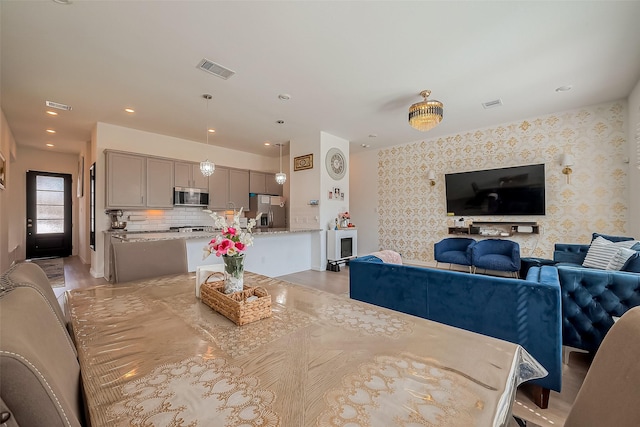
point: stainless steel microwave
(190, 197)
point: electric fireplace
(342, 244)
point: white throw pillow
(603, 251)
(620, 259)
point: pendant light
(207, 168)
(281, 177)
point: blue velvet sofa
(526, 312)
(592, 297)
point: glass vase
(233, 273)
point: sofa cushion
(603, 251)
(633, 264)
(620, 259)
(594, 236)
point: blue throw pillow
(611, 238)
(633, 264)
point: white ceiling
(352, 68)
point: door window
(49, 204)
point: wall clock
(336, 163)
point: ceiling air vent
(492, 104)
(215, 69)
(57, 105)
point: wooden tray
(235, 306)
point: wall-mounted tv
(516, 190)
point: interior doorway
(49, 215)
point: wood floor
(575, 367)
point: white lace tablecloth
(152, 354)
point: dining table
(153, 354)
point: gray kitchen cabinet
(159, 183)
(126, 180)
(264, 183)
(239, 188)
(219, 189)
(272, 187)
(188, 175)
(229, 188)
(257, 182)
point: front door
(48, 214)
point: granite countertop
(164, 235)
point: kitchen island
(275, 251)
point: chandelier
(427, 114)
(281, 178)
(207, 168)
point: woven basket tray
(235, 306)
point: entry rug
(54, 269)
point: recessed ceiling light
(51, 131)
(365, 145)
(129, 110)
(284, 96)
(566, 88)
(50, 145)
(52, 113)
(211, 130)
(373, 135)
(267, 143)
(63, 1)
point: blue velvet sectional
(527, 312)
(591, 297)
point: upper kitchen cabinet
(272, 186)
(264, 183)
(135, 181)
(219, 189)
(257, 182)
(229, 188)
(188, 175)
(159, 183)
(126, 180)
(239, 188)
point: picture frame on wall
(303, 162)
(3, 172)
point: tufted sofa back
(590, 298)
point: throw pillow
(602, 251)
(594, 236)
(620, 259)
(633, 264)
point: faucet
(233, 206)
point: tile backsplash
(155, 220)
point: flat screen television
(516, 190)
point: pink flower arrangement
(229, 244)
(344, 215)
(231, 241)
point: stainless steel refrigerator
(272, 209)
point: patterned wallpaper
(412, 213)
